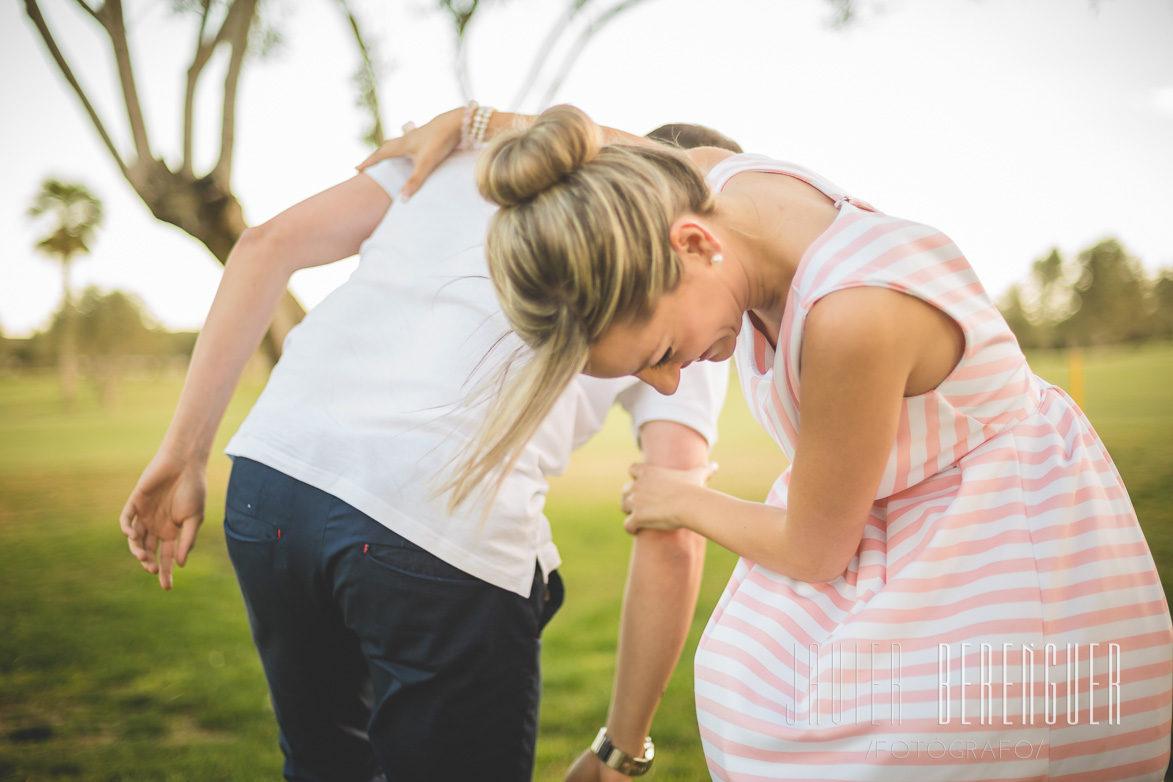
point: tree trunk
(106, 372)
(67, 349)
(209, 212)
(67, 357)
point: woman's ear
(693, 241)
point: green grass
(105, 677)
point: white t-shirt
(369, 399)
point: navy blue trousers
(380, 657)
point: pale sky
(1013, 125)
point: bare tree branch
(843, 14)
(543, 54)
(203, 53)
(367, 78)
(463, 78)
(580, 44)
(34, 13)
(237, 26)
(460, 16)
(460, 19)
(110, 15)
(86, 7)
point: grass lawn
(105, 677)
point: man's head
(687, 136)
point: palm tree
(76, 212)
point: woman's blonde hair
(580, 243)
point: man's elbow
(253, 240)
(262, 246)
(679, 548)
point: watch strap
(615, 758)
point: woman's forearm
(761, 533)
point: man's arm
(166, 507)
(663, 581)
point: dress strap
(731, 166)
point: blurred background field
(105, 677)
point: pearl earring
(717, 258)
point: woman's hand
(426, 147)
(164, 513)
(658, 497)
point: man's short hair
(686, 136)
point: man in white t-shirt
(394, 635)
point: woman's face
(698, 321)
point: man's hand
(164, 513)
(588, 768)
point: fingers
(187, 537)
(424, 166)
(166, 560)
(373, 158)
(390, 148)
(631, 525)
(136, 541)
(135, 532)
(126, 519)
(625, 501)
(627, 505)
(700, 474)
(136, 550)
(150, 546)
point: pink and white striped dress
(1002, 618)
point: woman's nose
(664, 379)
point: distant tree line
(1101, 297)
(113, 337)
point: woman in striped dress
(949, 582)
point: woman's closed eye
(663, 360)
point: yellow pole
(1075, 375)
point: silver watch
(615, 758)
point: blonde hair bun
(524, 163)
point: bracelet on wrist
(615, 758)
(474, 125)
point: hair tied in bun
(522, 164)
